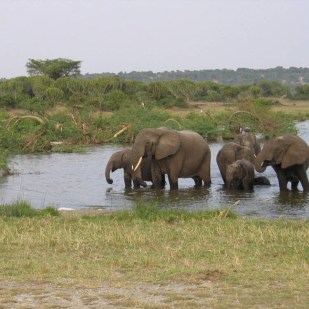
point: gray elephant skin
(231, 152)
(288, 155)
(240, 175)
(179, 154)
(121, 159)
(248, 139)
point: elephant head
(119, 159)
(249, 140)
(286, 150)
(230, 153)
(158, 143)
(240, 175)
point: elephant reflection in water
(288, 155)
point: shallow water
(77, 181)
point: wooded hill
(292, 76)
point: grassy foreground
(246, 263)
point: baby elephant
(240, 175)
(121, 159)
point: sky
(154, 35)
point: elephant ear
(296, 153)
(125, 160)
(168, 144)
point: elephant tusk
(262, 163)
(138, 164)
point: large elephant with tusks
(179, 154)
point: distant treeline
(292, 76)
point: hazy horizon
(158, 36)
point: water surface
(77, 181)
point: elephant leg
(294, 184)
(198, 181)
(128, 181)
(282, 178)
(163, 181)
(173, 182)
(156, 183)
(136, 185)
(247, 185)
(302, 176)
(205, 172)
(158, 178)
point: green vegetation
(243, 263)
(53, 68)
(51, 107)
(23, 209)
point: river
(76, 181)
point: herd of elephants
(157, 152)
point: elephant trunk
(229, 183)
(259, 164)
(108, 169)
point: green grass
(250, 263)
(24, 209)
(153, 212)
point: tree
(54, 68)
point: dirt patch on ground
(136, 295)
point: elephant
(240, 175)
(288, 155)
(121, 159)
(179, 154)
(230, 153)
(248, 139)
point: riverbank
(150, 259)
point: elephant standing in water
(179, 154)
(288, 155)
(121, 159)
(240, 175)
(230, 153)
